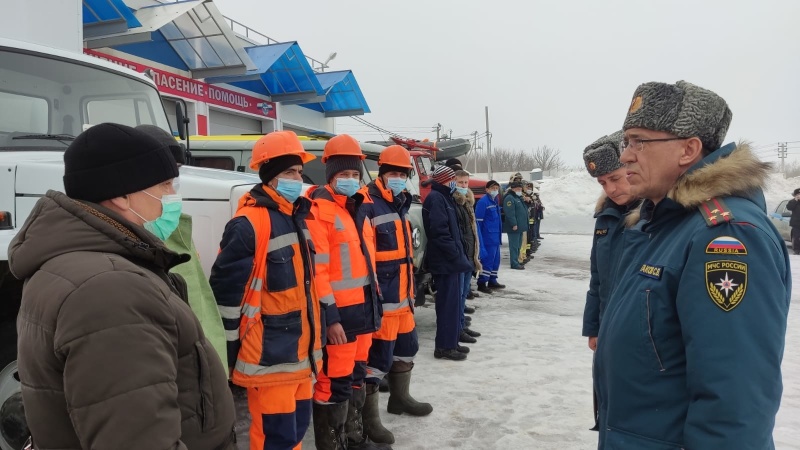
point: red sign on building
(179, 86)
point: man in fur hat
(690, 347)
(602, 162)
(465, 212)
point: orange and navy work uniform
(263, 283)
(345, 282)
(397, 340)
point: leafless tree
(507, 160)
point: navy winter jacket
(690, 346)
(606, 249)
(444, 253)
(490, 224)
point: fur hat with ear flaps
(602, 156)
(682, 109)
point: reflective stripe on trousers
(255, 369)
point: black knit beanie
(491, 183)
(275, 166)
(454, 163)
(384, 168)
(338, 163)
(110, 160)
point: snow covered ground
(527, 382)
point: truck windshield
(45, 102)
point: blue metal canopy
(102, 17)
(343, 97)
(189, 35)
(283, 73)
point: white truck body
(49, 94)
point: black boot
(462, 348)
(329, 426)
(469, 310)
(471, 333)
(496, 286)
(354, 428)
(467, 339)
(373, 428)
(450, 353)
(400, 401)
(483, 288)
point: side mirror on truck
(183, 130)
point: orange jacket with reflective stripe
(279, 326)
(345, 267)
(394, 259)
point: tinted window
(214, 162)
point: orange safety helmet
(395, 155)
(342, 145)
(275, 144)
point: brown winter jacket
(110, 356)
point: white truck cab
(47, 97)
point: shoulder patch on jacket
(601, 231)
(726, 283)
(508, 203)
(715, 212)
(726, 245)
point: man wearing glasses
(690, 346)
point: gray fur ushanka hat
(682, 109)
(602, 156)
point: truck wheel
(13, 427)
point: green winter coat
(201, 298)
(516, 213)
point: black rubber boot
(329, 423)
(354, 428)
(373, 427)
(400, 401)
(384, 386)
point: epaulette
(715, 212)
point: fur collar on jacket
(468, 202)
(738, 174)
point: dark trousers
(796, 240)
(514, 244)
(448, 309)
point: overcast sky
(559, 73)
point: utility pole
(438, 129)
(475, 151)
(488, 145)
(782, 156)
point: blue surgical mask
(167, 222)
(519, 194)
(396, 184)
(347, 186)
(493, 194)
(452, 186)
(461, 190)
(289, 189)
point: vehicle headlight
(415, 240)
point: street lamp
(330, 58)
